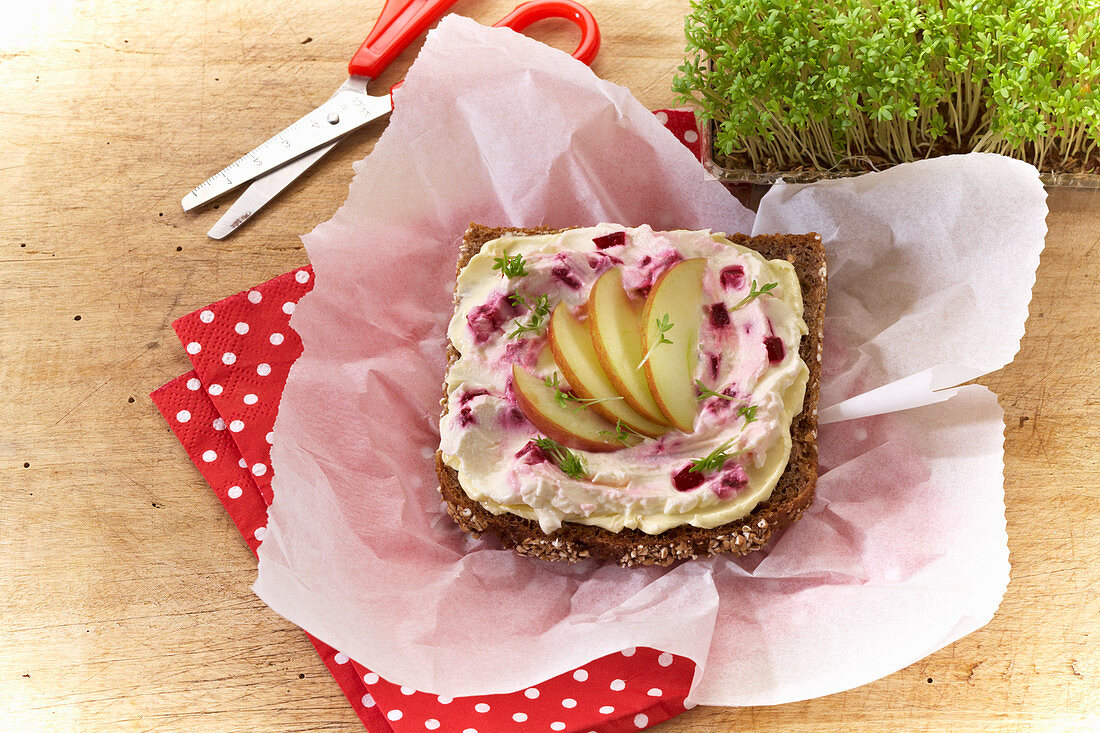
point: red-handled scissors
(278, 161)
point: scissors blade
(263, 189)
(348, 109)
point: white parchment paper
(904, 549)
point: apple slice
(576, 357)
(573, 428)
(676, 299)
(617, 339)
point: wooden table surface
(124, 587)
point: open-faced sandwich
(628, 394)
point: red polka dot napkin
(223, 414)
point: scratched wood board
(124, 587)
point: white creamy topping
(484, 429)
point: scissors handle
(400, 22)
(531, 12)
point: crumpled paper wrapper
(904, 550)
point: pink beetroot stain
(714, 360)
(614, 239)
(466, 417)
(564, 272)
(600, 261)
(774, 345)
(486, 319)
(531, 454)
(732, 277)
(731, 481)
(513, 417)
(651, 268)
(518, 352)
(718, 405)
(470, 394)
(686, 479)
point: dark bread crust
(791, 496)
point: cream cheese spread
(748, 353)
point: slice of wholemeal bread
(790, 497)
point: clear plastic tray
(742, 175)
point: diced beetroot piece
(686, 479)
(732, 277)
(466, 417)
(470, 394)
(488, 318)
(719, 316)
(614, 239)
(644, 262)
(774, 345)
(532, 454)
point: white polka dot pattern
(584, 704)
(242, 348)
